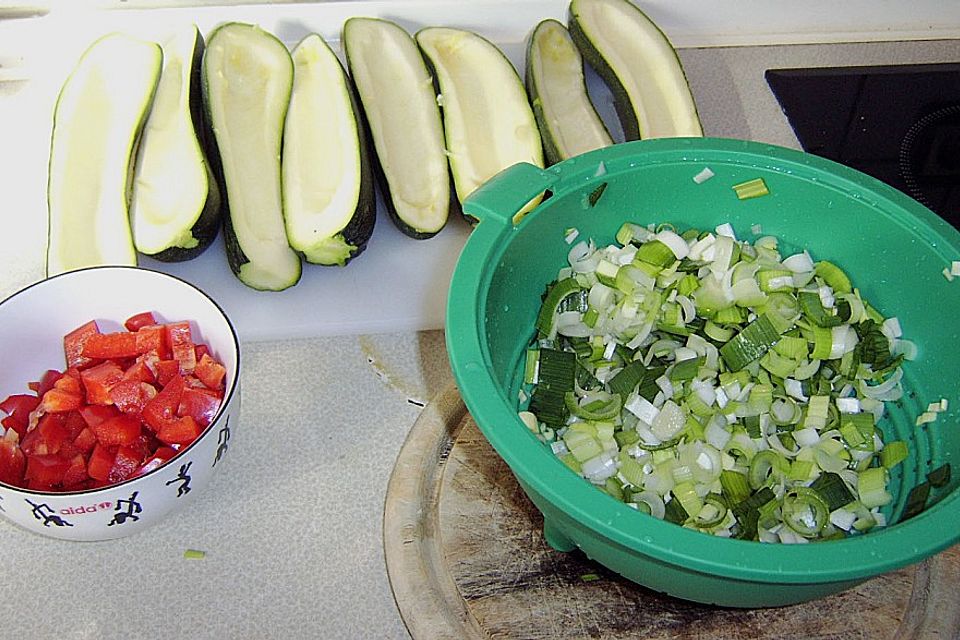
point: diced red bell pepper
(53, 431)
(200, 349)
(151, 338)
(210, 372)
(180, 341)
(66, 395)
(74, 423)
(73, 344)
(99, 379)
(85, 440)
(131, 396)
(156, 460)
(45, 471)
(101, 462)
(167, 370)
(181, 431)
(200, 404)
(123, 429)
(76, 472)
(138, 320)
(46, 382)
(163, 408)
(119, 344)
(139, 371)
(94, 414)
(32, 443)
(12, 462)
(9, 423)
(125, 464)
(19, 406)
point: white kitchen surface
(335, 372)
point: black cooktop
(898, 123)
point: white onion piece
(676, 244)
(799, 262)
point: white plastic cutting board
(398, 284)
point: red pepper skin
(138, 320)
(182, 431)
(73, 344)
(163, 408)
(125, 464)
(99, 379)
(210, 372)
(101, 462)
(200, 404)
(104, 346)
(159, 457)
(121, 430)
(13, 463)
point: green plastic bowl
(894, 250)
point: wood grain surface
(466, 559)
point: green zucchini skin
(235, 254)
(208, 223)
(553, 153)
(360, 228)
(625, 108)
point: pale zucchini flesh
(633, 55)
(247, 79)
(175, 205)
(325, 181)
(568, 121)
(97, 120)
(400, 104)
(487, 118)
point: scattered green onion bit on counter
(751, 189)
(720, 385)
(194, 554)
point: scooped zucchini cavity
(569, 123)
(398, 98)
(641, 67)
(97, 120)
(247, 80)
(175, 206)
(487, 118)
(329, 203)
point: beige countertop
(292, 525)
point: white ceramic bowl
(33, 322)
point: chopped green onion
(751, 343)
(833, 276)
(893, 453)
(751, 189)
(709, 382)
(194, 554)
(872, 487)
(547, 318)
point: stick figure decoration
(47, 515)
(126, 510)
(222, 441)
(183, 478)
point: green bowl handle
(501, 197)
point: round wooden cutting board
(466, 560)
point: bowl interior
(893, 249)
